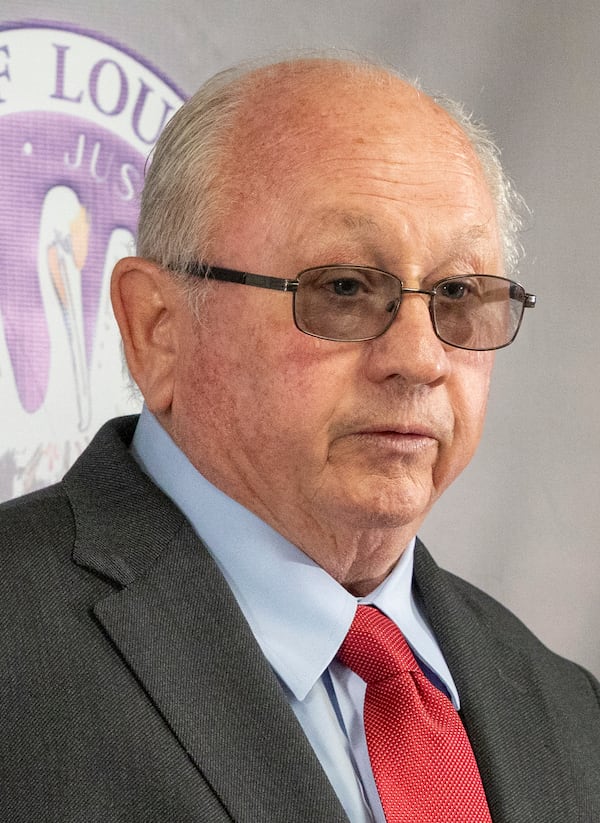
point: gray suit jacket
(132, 690)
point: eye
(346, 287)
(455, 289)
(346, 284)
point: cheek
(302, 387)
(294, 387)
(306, 363)
(270, 384)
(467, 392)
(468, 389)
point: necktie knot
(374, 648)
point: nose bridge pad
(432, 315)
(414, 351)
(425, 296)
(391, 308)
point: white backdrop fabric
(523, 520)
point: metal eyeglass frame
(262, 281)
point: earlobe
(144, 300)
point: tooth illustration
(65, 223)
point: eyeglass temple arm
(243, 277)
(529, 300)
(261, 281)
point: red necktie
(421, 757)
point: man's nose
(410, 349)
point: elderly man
(223, 613)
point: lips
(394, 439)
(405, 430)
(419, 426)
(397, 442)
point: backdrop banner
(79, 115)
(80, 110)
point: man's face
(339, 444)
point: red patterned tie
(421, 757)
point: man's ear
(146, 303)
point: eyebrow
(358, 222)
(475, 234)
(366, 228)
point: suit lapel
(179, 629)
(507, 712)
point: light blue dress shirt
(299, 616)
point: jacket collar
(176, 624)
(506, 705)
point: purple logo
(78, 117)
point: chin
(381, 511)
(386, 519)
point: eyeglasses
(479, 312)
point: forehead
(306, 140)
(310, 111)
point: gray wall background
(523, 521)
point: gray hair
(510, 206)
(183, 195)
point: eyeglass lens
(476, 312)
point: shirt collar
(298, 613)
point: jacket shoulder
(43, 517)
(452, 603)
